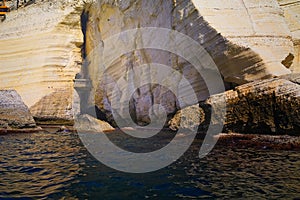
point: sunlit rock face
(41, 53)
(111, 17)
(86, 123)
(188, 118)
(291, 10)
(257, 37)
(41, 50)
(247, 41)
(55, 108)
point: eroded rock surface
(246, 40)
(188, 118)
(14, 114)
(269, 106)
(41, 52)
(55, 108)
(258, 26)
(87, 123)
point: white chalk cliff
(41, 53)
(41, 45)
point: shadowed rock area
(14, 114)
(269, 106)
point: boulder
(55, 108)
(86, 123)
(188, 118)
(14, 114)
(269, 106)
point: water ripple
(57, 166)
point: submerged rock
(14, 114)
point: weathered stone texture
(86, 123)
(188, 118)
(41, 51)
(13, 112)
(291, 10)
(55, 108)
(247, 40)
(267, 106)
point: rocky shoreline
(14, 114)
(270, 106)
(260, 141)
(263, 91)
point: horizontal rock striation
(14, 114)
(42, 47)
(41, 52)
(269, 106)
(247, 39)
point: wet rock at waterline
(86, 123)
(246, 40)
(188, 118)
(14, 114)
(269, 106)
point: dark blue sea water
(57, 166)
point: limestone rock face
(291, 10)
(267, 106)
(13, 112)
(55, 108)
(107, 18)
(41, 52)
(188, 118)
(247, 41)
